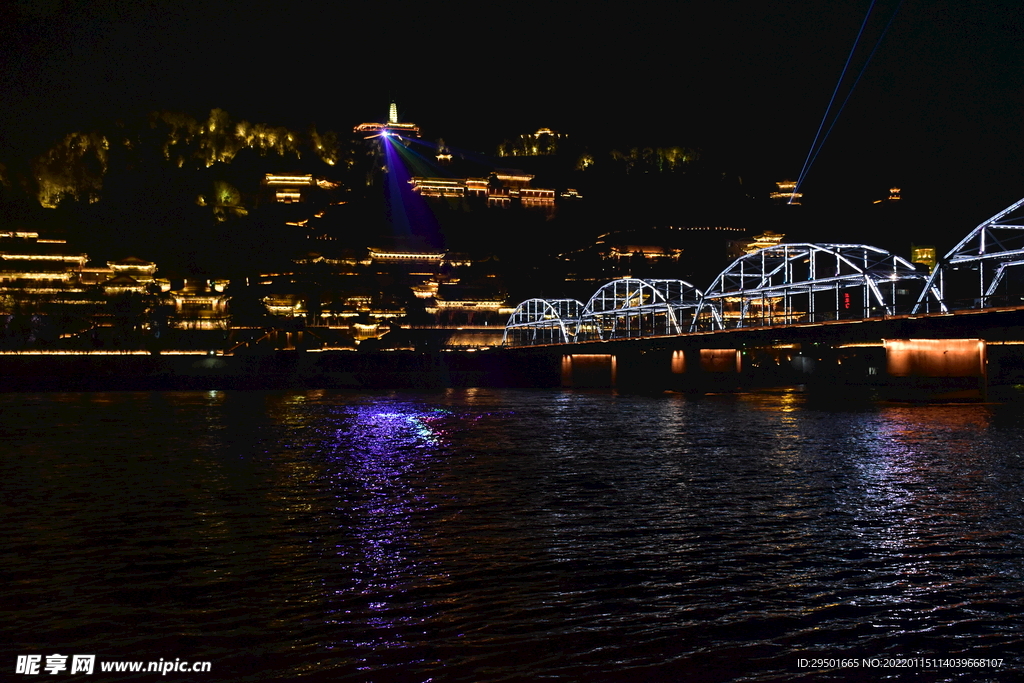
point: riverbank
(136, 371)
(494, 368)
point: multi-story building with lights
(31, 264)
(501, 189)
(47, 278)
(786, 193)
(288, 188)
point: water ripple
(484, 535)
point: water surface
(510, 535)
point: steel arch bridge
(543, 321)
(982, 270)
(631, 308)
(808, 283)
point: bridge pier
(784, 364)
(589, 370)
(936, 369)
(715, 369)
(1005, 364)
(655, 369)
(650, 370)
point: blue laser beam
(839, 83)
(855, 82)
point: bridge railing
(733, 321)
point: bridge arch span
(983, 270)
(630, 308)
(788, 284)
(543, 321)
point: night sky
(937, 111)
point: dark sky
(938, 110)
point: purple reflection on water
(382, 453)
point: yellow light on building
(404, 256)
(763, 241)
(786, 193)
(926, 255)
(277, 179)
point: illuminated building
(542, 143)
(402, 285)
(763, 241)
(66, 297)
(925, 255)
(43, 275)
(289, 189)
(516, 180)
(470, 304)
(391, 127)
(92, 274)
(129, 274)
(200, 305)
(396, 256)
(506, 185)
(500, 189)
(442, 187)
(664, 243)
(288, 305)
(624, 251)
(141, 270)
(786, 193)
(123, 284)
(444, 155)
(894, 196)
(29, 263)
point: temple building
(391, 127)
(200, 304)
(288, 189)
(477, 303)
(894, 196)
(786, 193)
(131, 274)
(763, 241)
(544, 142)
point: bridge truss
(630, 308)
(543, 321)
(807, 283)
(982, 271)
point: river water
(512, 535)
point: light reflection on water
(509, 535)
(378, 446)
